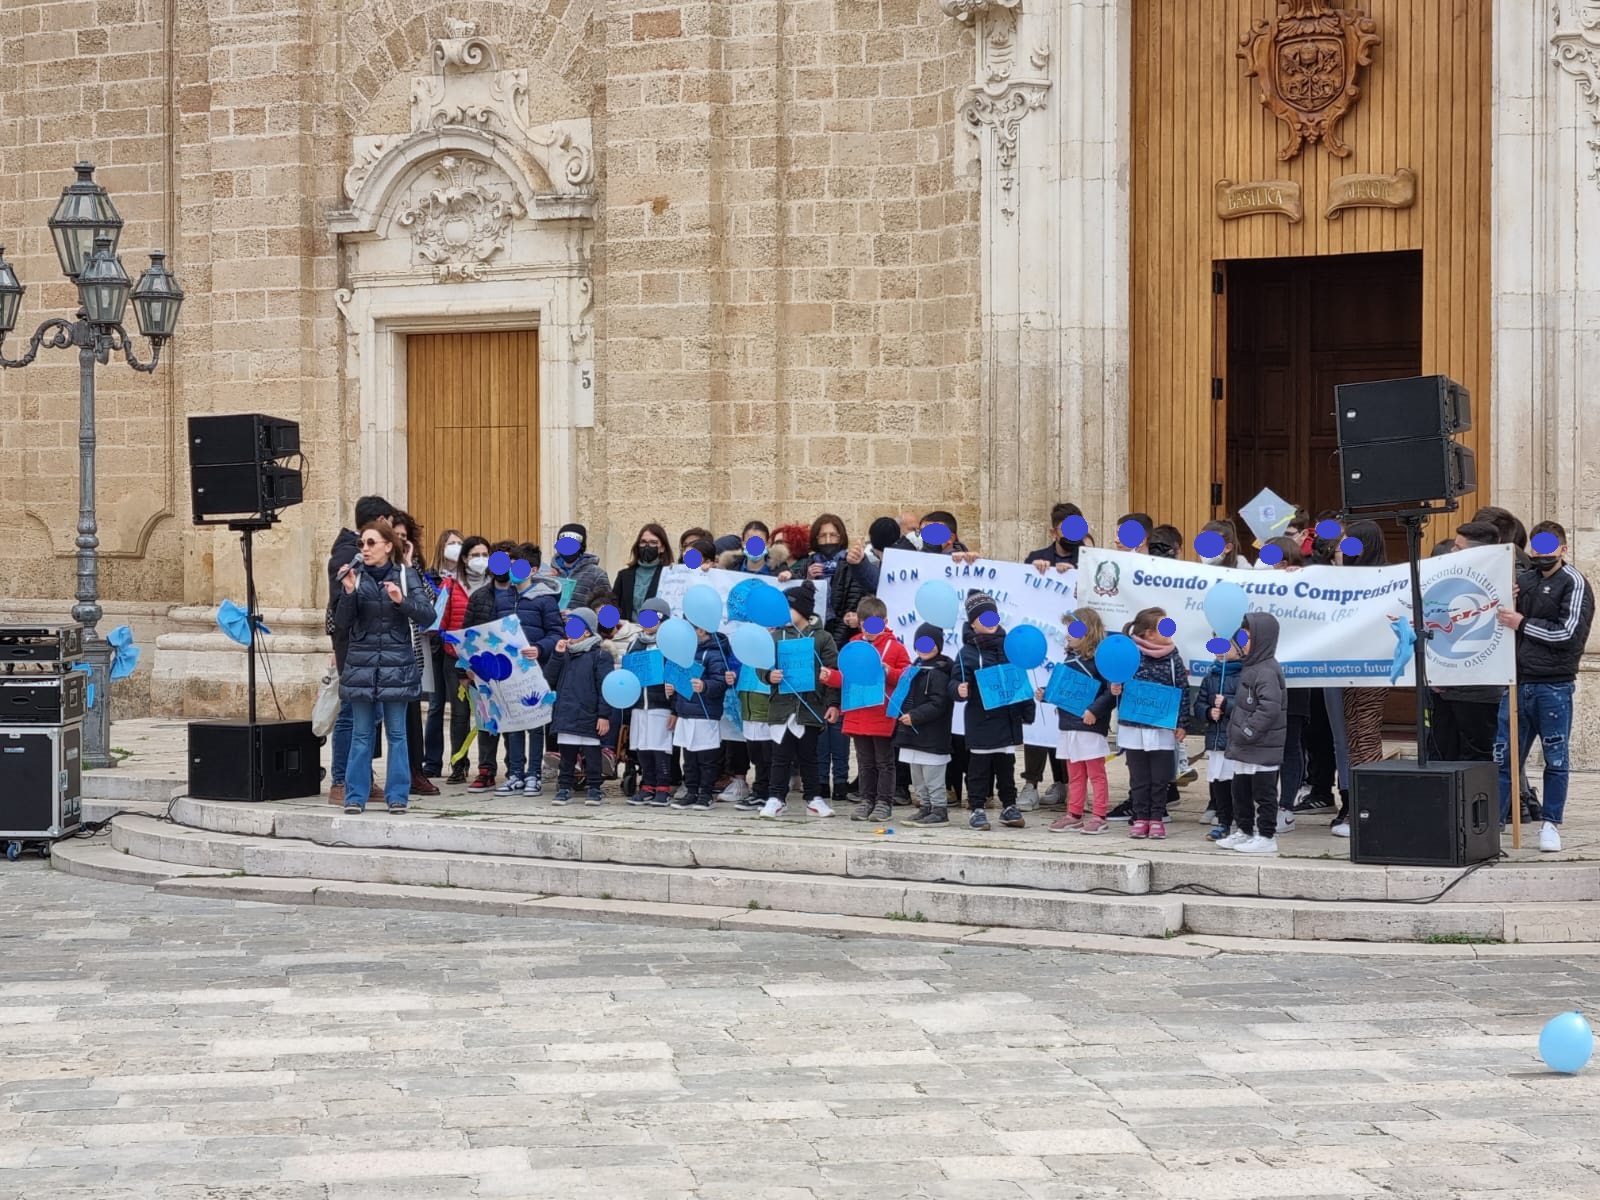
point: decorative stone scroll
(1578, 54)
(1307, 59)
(1372, 191)
(1235, 200)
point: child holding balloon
(697, 718)
(871, 728)
(993, 734)
(650, 735)
(1083, 746)
(1149, 749)
(577, 672)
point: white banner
(1335, 629)
(507, 691)
(678, 579)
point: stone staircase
(850, 884)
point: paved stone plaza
(169, 1047)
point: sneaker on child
(819, 807)
(1028, 798)
(1258, 845)
(511, 787)
(774, 808)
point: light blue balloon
(1566, 1042)
(621, 689)
(1026, 647)
(677, 640)
(1117, 659)
(859, 663)
(1225, 606)
(753, 646)
(940, 604)
(767, 606)
(702, 605)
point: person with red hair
(796, 543)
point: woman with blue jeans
(382, 607)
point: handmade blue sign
(1071, 690)
(1153, 704)
(856, 695)
(797, 660)
(902, 690)
(647, 665)
(681, 678)
(748, 682)
(1003, 684)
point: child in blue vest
(696, 720)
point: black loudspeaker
(224, 441)
(1440, 815)
(42, 766)
(270, 760)
(1397, 410)
(1405, 474)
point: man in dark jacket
(346, 550)
(1554, 610)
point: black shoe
(853, 788)
(1314, 804)
(1122, 812)
(932, 816)
(702, 802)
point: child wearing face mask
(446, 557)
(467, 574)
(1230, 544)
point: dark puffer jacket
(1258, 727)
(845, 589)
(585, 568)
(716, 660)
(809, 707)
(577, 678)
(1169, 671)
(534, 605)
(380, 662)
(1100, 706)
(929, 706)
(1222, 680)
(988, 728)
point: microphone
(353, 565)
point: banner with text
(677, 580)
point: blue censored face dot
(754, 546)
(1210, 544)
(1217, 645)
(576, 628)
(1545, 543)
(521, 569)
(1167, 626)
(873, 625)
(1327, 529)
(1075, 529)
(937, 533)
(1130, 534)
(925, 645)
(1350, 547)
(692, 559)
(499, 563)
(1272, 555)
(1077, 629)
(609, 616)
(568, 545)
(1243, 638)
(989, 620)
(649, 618)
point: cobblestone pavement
(177, 1048)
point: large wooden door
(472, 416)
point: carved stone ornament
(965, 10)
(1578, 54)
(1011, 83)
(460, 226)
(1307, 59)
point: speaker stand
(247, 531)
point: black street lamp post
(86, 228)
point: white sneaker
(1028, 798)
(1285, 821)
(736, 791)
(773, 808)
(1209, 817)
(1549, 838)
(1342, 829)
(1055, 796)
(818, 807)
(511, 787)
(1234, 840)
(1258, 845)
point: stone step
(987, 906)
(99, 859)
(116, 786)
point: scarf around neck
(1151, 650)
(587, 642)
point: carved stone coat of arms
(1307, 59)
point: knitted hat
(883, 533)
(729, 541)
(929, 630)
(979, 603)
(803, 599)
(657, 605)
(577, 531)
(586, 615)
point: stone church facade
(756, 258)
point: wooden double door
(472, 422)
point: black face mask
(501, 580)
(828, 549)
(647, 554)
(1324, 548)
(1544, 562)
(1162, 550)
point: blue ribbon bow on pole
(235, 622)
(1407, 640)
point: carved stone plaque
(1307, 59)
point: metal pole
(251, 617)
(87, 612)
(1419, 626)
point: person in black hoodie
(576, 672)
(346, 551)
(1258, 725)
(922, 734)
(1553, 614)
(993, 734)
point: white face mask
(1213, 560)
(477, 566)
(452, 552)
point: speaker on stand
(238, 478)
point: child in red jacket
(872, 729)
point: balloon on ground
(1566, 1042)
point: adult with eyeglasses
(639, 580)
(380, 610)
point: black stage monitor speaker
(243, 490)
(224, 441)
(1405, 474)
(1440, 815)
(270, 760)
(1397, 410)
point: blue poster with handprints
(509, 693)
(1004, 684)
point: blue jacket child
(1221, 680)
(715, 659)
(1100, 706)
(576, 674)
